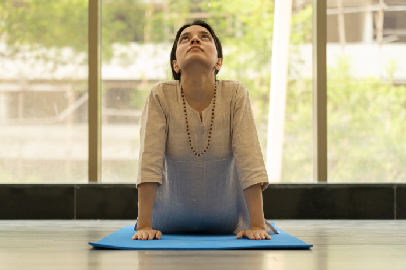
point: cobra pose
(201, 168)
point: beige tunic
(200, 194)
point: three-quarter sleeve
(152, 139)
(245, 144)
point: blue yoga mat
(121, 239)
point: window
(366, 91)
(43, 92)
(44, 84)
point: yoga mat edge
(121, 240)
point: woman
(201, 168)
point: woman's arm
(253, 198)
(146, 199)
(151, 161)
(250, 163)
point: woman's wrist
(143, 227)
(143, 223)
(258, 227)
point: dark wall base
(281, 201)
(331, 201)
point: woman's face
(203, 57)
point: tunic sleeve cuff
(264, 185)
(159, 183)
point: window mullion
(94, 107)
(319, 91)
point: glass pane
(366, 91)
(43, 91)
(137, 41)
(297, 166)
(133, 60)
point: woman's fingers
(253, 235)
(144, 235)
(141, 235)
(147, 235)
(137, 236)
(249, 234)
(260, 236)
(151, 235)
(240, 234)
(267, 236)
(158, 235)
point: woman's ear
(219, 63)
(175, 66)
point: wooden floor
(338, 244)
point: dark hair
(176, 76)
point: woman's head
(198, 33)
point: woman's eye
(182, 39)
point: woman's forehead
(193, 29)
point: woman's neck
(198, 88)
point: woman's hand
(147, 233)
(254, 234)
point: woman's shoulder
(165, 84)
(234, 88)
(164, 88)
(230, 82)
(233, 84)
(168, 83)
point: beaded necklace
(211, 124)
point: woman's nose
(194, 39)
